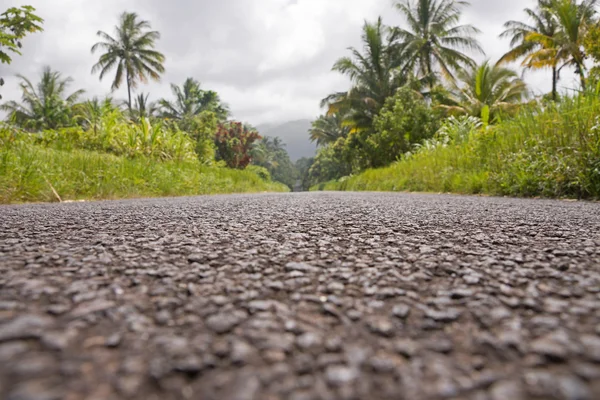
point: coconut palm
(131, 52)
(374, 74)
(543, 24)
(573, 20)
(328, 128)
(45, 105)
(486, 91)
(191, 100)
(142, 108)
(435, 40)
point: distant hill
(295, 136)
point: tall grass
(34, 173)
(551, 150)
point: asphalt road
(301, 296)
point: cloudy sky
(270, 60)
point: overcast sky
(270, 60)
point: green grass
(28, 173)
(550, 152)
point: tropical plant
(15, 24)
(142, 108)
(573, 20)
(405, 120)
(90, 113)
(271, 154)
(328, 128)
(522, 47)
(234, 143)
(191, 100)
(131, 52)
(486, 91)
(374, 76)
(44, 105)
(434, 40)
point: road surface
(301, 296)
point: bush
(552, 150)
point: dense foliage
(416, 97)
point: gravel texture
(301, 296)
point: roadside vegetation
(57, 145)
(422, 115)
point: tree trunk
(554, 83)
(582, 77)
(129, 91)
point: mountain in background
(295, 136)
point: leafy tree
(302, 170)
(331, 162)
(15, 24)
(405, 121)
(44, 105)
(191, 100)
(573, 20)
(544, 25)
(487, 91)
(131, 52)
(234, 143)
(373, 74)
(271, 154)
(328, 128)
(435, 38)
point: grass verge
(31, 173)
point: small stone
(190, 365)
(381, 326)
(113, 340)
(57, 340)
(591, 346)
(505, 390)
(12, 349)
(334, 287)
(440, 345)
(471, 279)
(220, 347)
(354, 315)
(223, 323)
(333, 343)
(461, 293)
(196, 258)
(299, 266)
(57, 309)
(241, 352)
(245, 386)
(309, 340)
(448, 315)
(274, 356)
(24, 327)
(406, 347)
(162, 317)
(549, 348)
(401, 311)
(92, 307)
(338, 375)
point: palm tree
(374, 74)
(191, 100)
(486, 91)
(131, 52)
(435, 39)
(90, 113)
(44, 105)
(328, 128)
(522, 46)
(573, 19)
(142, 108)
